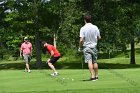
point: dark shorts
(53, 60)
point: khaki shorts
(90, 54)
(27, 58)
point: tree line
(59, 21)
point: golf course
(69, 46)
(116, 75)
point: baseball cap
(25, 38)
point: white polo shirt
(90, 33)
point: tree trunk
(131, 28)
(38, 52)
(1, 51)
(1, 55)
(132, 59)
(54, 40)
(37, 39)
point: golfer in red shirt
(54, 56)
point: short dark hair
(87, 18)
(43, 48)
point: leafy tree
(59, 21)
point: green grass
(116, 75)
(39, 81)
(75, 63)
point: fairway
(70, 46)
(70, 81)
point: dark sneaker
(93, 79)
(96, 78)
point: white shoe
(55, 74)
(29, 71)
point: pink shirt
(26, 48)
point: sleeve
(82, 33)
(98, 32)
(49, 49)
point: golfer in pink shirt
(26, 53)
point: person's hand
(79, 49)
(20, 56)
(30, 54)
(48, 60)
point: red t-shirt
(52, 48)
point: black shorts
(54, 59)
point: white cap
(25, 38)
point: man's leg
(90, 66)
(51, 63)
(88, 59)
(27, 63)
(95, 66)
(27, 67)
(52, 66)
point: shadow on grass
(137, 50)
(117, 53)
(63, 65)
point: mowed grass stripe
(72, 80)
